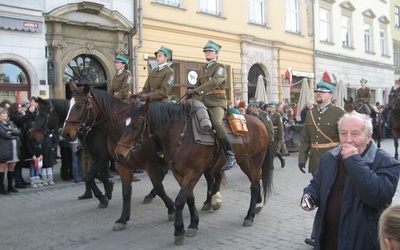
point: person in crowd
(232, 110)
(285, 123)
(35, 150)
(266, 119)
(389, 228)
(49, 147)
(21, 114)
(363, 97)
(9, 151)
(354, 182)
(242, 107)
(76, 172)
(303, 113)
(278, 131)
(320, 133)
(66, 159)
(210, 89)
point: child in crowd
(35, 150)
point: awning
(13, 23)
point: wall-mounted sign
(192, 77)
(51, 72)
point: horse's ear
(72, 84)
(86, 89)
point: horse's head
(394, 99)
(46, 119)
(135, 129)
(81, 113)
(349, 105)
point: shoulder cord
(318, 129)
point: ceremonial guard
(122, 82)
(278, 131)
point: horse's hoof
(119, 226)
(103, 203)
(217, 206)
(206, 207)
(179, 240)
(147, 200)
(258, 209)
(248, 223)
(171, 217)
(191, 232)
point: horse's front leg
(126, 178)
(255, 194)
(194, 217)
(178, 224)
(96, 191)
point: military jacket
(211, 85)
(278, 126)
(121, 85)
(327, 120)
(363, 94)
(264, 117)
(159, 84)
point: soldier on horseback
(210, 89)
(363, 98)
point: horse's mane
(61, 106)
(161, 114)
(109, 105)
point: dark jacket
(49, 147)
(8, 133)
(369, 187)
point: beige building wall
(395, 34)
(185, 30)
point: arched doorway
(252, 77)
(85, 69)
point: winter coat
(8, 133)
(22, 121)
(49, 147)
(369, 187)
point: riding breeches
(216, 116)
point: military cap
(325, 87)
(254, 103)
(212, 46)
(273, 104)
(364, 80)
(164, 50)
(122, 59)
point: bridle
(139, 139)
(48, 115)
(84, 128)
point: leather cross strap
(318, 129)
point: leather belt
(217, 92)
(276, 127)
(324, 145)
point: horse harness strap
(322, 145)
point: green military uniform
(313, 144)
(278, 130)
(122, 81)
(265, 118)
(364, 94)
(211, 89)
(159, 83)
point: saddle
(201, 133)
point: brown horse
(170, 125)
(350, 105)
(51, 116)
(94, 108)
(394, 117)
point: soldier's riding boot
(230, 156)
(10, 179)
(283, 162)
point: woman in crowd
(9, 151)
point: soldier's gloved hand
(144, 97)
(302, 167)
(190, 92)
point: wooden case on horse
(238, 124)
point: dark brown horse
(51, 116)
(93, 108)
(394, 117)
(170, 125)
(350, 105)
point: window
(174, 3)
(210, 7)
(382, 41)
(346, 29)
(292, 16)
(396, 55)
(397, 16)
(324, 24)
(367, 38)
(14, 82)
(257, 12)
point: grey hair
(365, 118)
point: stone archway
(252, 78)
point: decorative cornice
(348, 6)
(369, 13)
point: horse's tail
(267, 172)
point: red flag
(328, 76)
(18, 98)
(289, 75)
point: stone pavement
(53, 217)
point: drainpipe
(137, 46)
(132, 33)
(313, 21)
